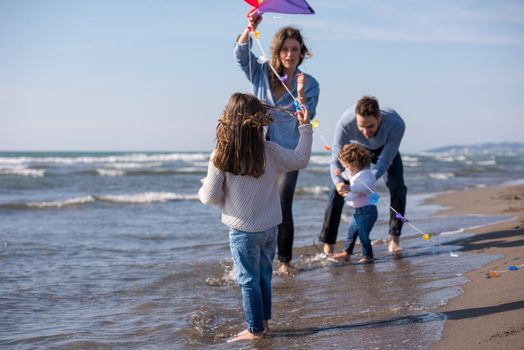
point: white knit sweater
(251, 204)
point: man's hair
(354, 153)
(240, 136)
(367, 106)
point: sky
(128, 75)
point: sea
(113, 250)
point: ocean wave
(147, 197)
(409, 158)
(142, 172)
(22, 171)
(62, 203)
(125, 158)
(450, 158)
(110, 172)
(138, 198)
(312, 190)
(487, 162)
(320, 159)
(411, 161)
(441, 176)
(127, 166)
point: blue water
(113, 250)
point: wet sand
(490, 312)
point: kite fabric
(293, 7)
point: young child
(356, 159)
(242, 179)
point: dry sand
(490, 312)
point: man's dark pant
(397, 192)
(286, 230)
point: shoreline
(489, 314)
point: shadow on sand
(420, 318)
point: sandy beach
(490, 312)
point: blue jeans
(363, 220)
(253, 254)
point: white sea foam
(320, 159)
(191, 169)
(406, 158)
(313, 190)
(412, 164)
(22, 171)
(449, 158)
(127, 166)
(147, 197)
(487, 162)
(110, 172)
(126, 158)
(62, 203)
(441, 176)
(410, 161)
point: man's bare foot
(329, 248)
(266, 327)
(247, 335)
(344, 256)
(366, 261)
(394, 247)
(286, 270)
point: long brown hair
(276, 46)
(240, 136)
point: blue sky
(155, 75)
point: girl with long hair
(242, 179)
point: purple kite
(294, 7)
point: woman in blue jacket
(287, 53)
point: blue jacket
(284, 129)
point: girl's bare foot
(344, 256)
(247, 335)
(328, 248)
(366, 261)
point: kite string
(249, 62)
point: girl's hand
(303, 116)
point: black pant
(397, 192)
(286, 230)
